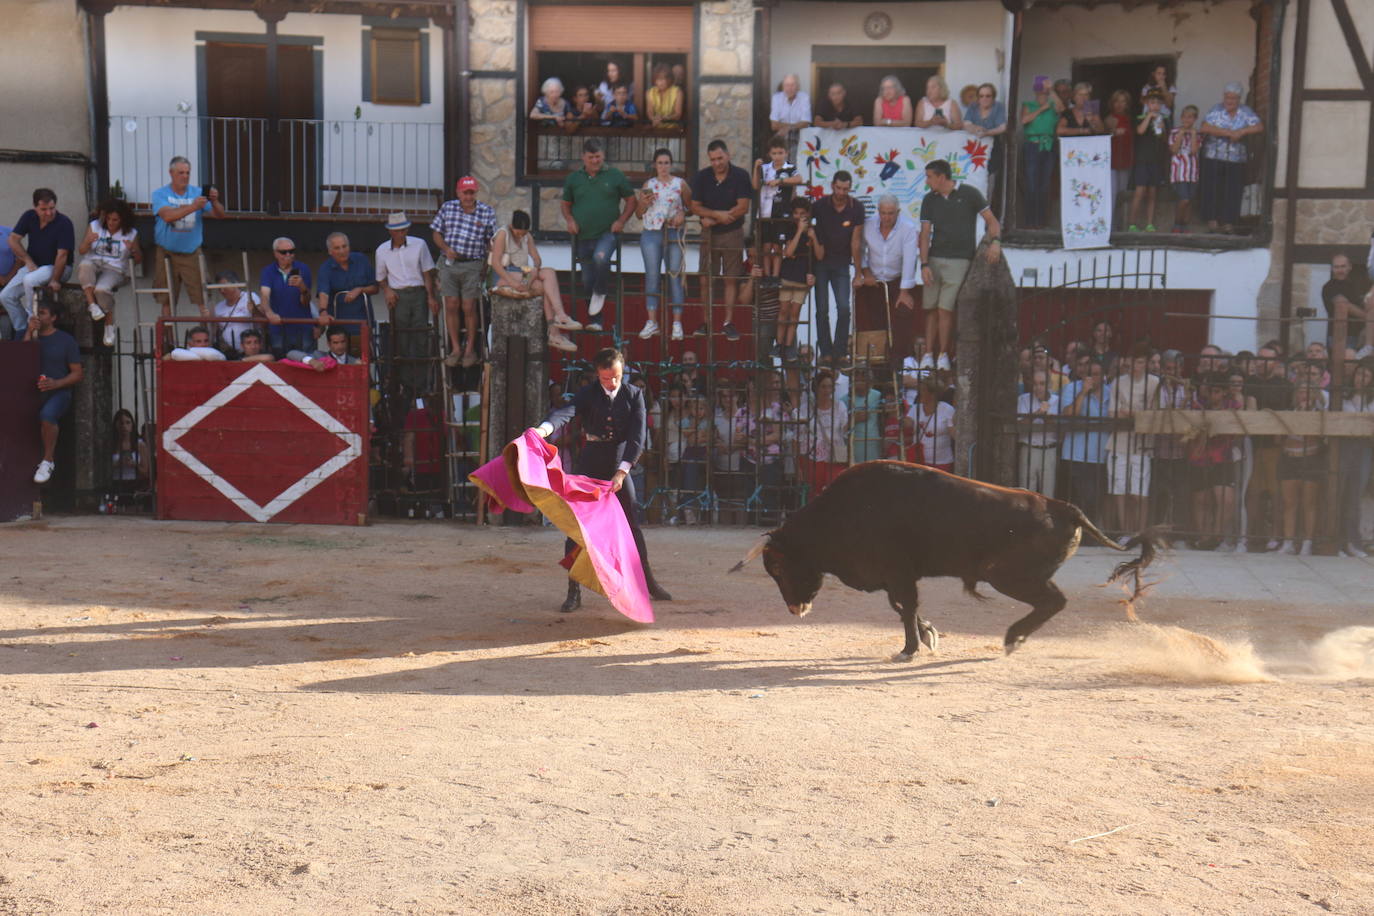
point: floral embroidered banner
(890, 160)
(1085, 191)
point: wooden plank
(1256, 422)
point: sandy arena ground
(249, 719)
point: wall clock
(877, 25)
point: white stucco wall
(153, 70)
(972, 34)
(1214, 43)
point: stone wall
(1334, 222)
(725, 109)
(492, 106)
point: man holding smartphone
(284, 292)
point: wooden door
(301, 141)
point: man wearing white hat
(405, 271)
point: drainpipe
(100, 98)
(457, 109)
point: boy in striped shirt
(1184, 144)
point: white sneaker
(567, 323)
(677, 331)
(926, 362)
(598, 303)
(558, 341)
(44, 472)
(96, 311)
(943, 363)
(1227, 546)
(1289, 548)
(1274, 544)
(1306, 550)
(1124, 540)
(592, 326)
(109, 335)
(649, 330)
(1356, 551)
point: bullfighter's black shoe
(574, 599)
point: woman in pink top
(937, 109)
(892, 107)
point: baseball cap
(467, 183)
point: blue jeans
(832, 278)
(660, 248)
(595, 255)
(1356, 462)
(1039, 174)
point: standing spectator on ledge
(1151, 160)
(462, 229)
(284, 292)
(884, 283)
(839, 222)
(834, 111)
(1159, 82)
(346, 281)
(179, 209)
(605, 92)
(662, 205)
(405, 273)
(234, 303)
(1184, 144)
(790, 111)
(109, 248)
(1224, 156)
(47, 260)
(1038, 120)
(1081, 119)
(1344, 296)
(949, 214)
(597, 203)
(720, 196)
(892, 107)
(59, 367)
(1121, 126)
(936, 108)
(986, 118)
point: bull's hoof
(1011, 645)
(902, 657)
(930, 637)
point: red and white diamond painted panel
(261, 442)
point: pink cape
(529, 476)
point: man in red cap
(463, 230)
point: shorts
(776, 231)
(947, 275)
(726, 252)
(55, 406)
(1149, 174)
(462, 279)
(1307, 468)
(1128, 475)
(792, 292)
(1206, 476)
(1185, 190)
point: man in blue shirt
(284, 291)
(46, 261)
(180, 207)
(345, 282)
(1084, 449)
(59, 367)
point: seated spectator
(284, 292)
(1302, 471)
(9, 266)
(1344, 297)
(518, 272)
(826, 446)
(551, 109)
(1215, 464)
(584, 112)
(110, 245)
(1356, 460)
(1083, 449)
(1083, 118)
(865, 406)
(59, 368)
(1037, 456)
(936, 108)
(129, 471)
(620, 111)
(234, 303)
(930, 425)
(198, 347)
(46, 262)
(337, 354)
(892, 107)
(834, 111)
(252, 349)
(790, 111)
(664, 100)
(605, 92)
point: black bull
(885, 525)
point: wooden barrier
(20, 446)
(262, 442)
(1255, 422)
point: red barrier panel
(262, 442)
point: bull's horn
(751, 555)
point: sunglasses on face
(286, 251)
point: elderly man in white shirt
(790, 112)
(886, 278)
(405, 272)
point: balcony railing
(630, 150)
(318, 167)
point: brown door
(236, 103)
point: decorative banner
(1085, 191)
(890, 160)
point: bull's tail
(1147, 541)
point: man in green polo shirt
(594, 213)
(950, 214)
